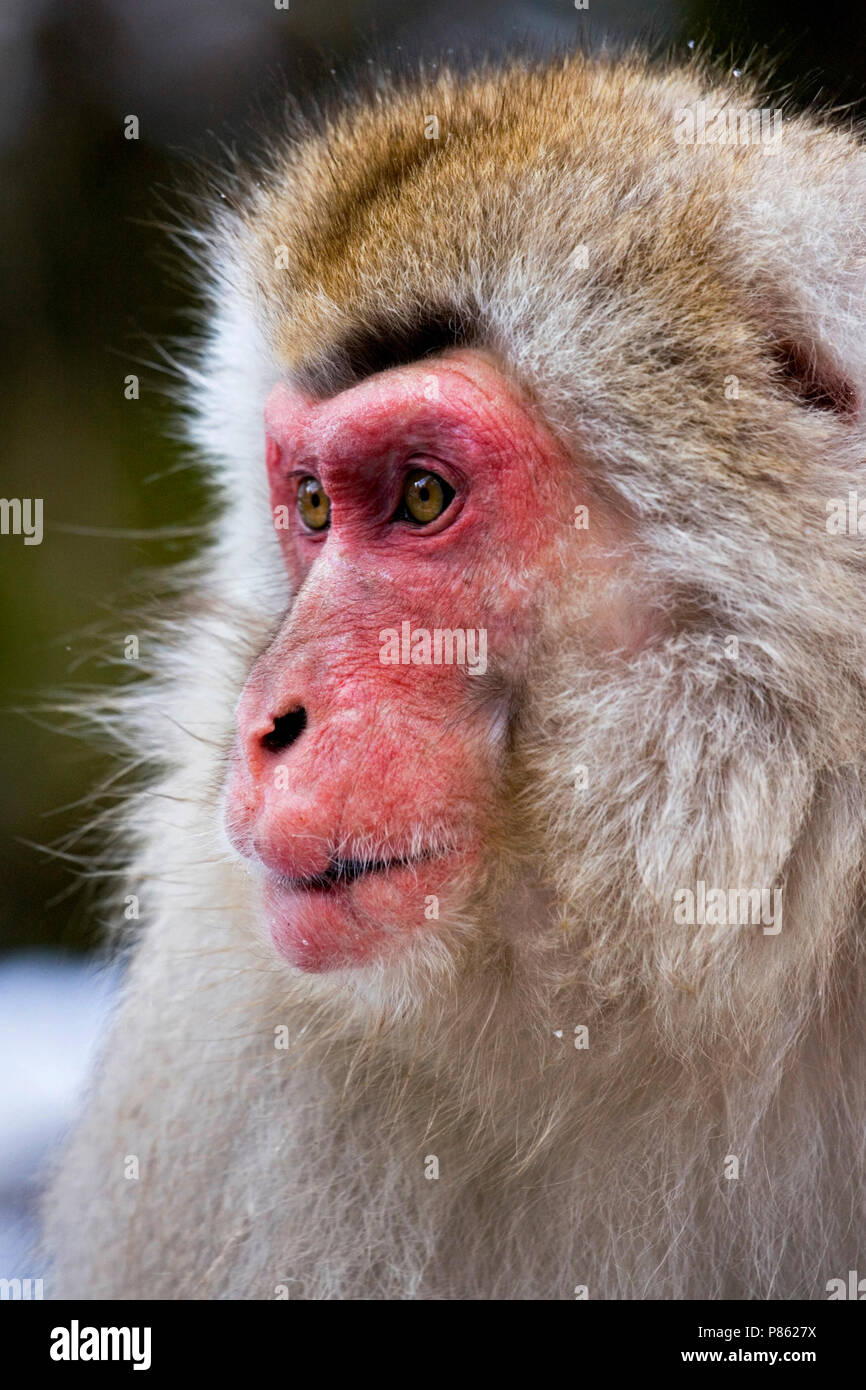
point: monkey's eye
(314, 504)
(425, 497)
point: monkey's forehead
(467, 211)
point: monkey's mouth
(361, 908)
(341, 873)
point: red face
(417, 515)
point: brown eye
(314, 504)
(425, 496)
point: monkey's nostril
(286, 731)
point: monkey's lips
(341, 872)
(357, 910)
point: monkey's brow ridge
(394, 342)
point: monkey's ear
(802, 236)
(813, 378)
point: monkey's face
(424, 519)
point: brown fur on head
(687, 321)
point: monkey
(500, 865)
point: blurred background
(92, 292)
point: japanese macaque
(500, 877)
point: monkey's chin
(361, 920)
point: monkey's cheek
(370, 920)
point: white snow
(52, 1010)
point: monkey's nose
(287, 729)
